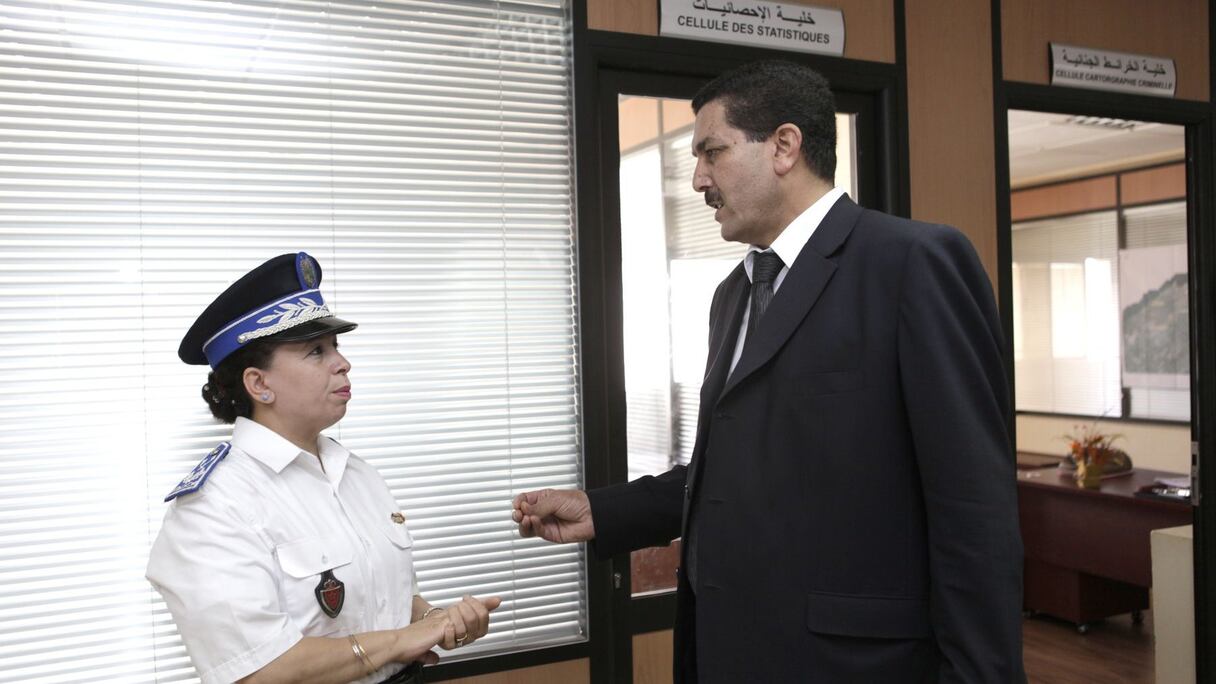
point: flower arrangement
(1091, 452)
(1089, 446)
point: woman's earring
(266, 396)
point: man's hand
(556, 515)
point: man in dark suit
(850, 512)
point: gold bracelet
(430, 610)
(357, 649)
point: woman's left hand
(470, 619)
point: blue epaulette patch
(194, 481)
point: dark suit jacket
(853, 480)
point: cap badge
(397, 518)
(306, 270)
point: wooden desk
(1087, 551)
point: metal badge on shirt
(331, 593)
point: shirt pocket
(399, 535)
(303, 561)
(401, 544)
(399, 559)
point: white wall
(1153, 446)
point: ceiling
(1046, 147)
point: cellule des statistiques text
(750, 30)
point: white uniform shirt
(239, 560)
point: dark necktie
(765, 267)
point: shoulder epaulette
(197, 477)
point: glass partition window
(673, 257)
(1099, 264)
(1100, 313)
(1065, 317)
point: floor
(1115, 651)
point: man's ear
(787, 148)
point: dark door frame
(1197, 117)
(608, 64)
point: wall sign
(1118, 71)
(771, 25)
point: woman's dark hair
(225, 389)
(760, 96)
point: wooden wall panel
(676, 114)
(869, 28)
(1063, 198)
(869, 24)
(1094, 194)
(638, 121)
(1163, 28)
(624, 16)
(566, 672)
(652, 654)
(1153, 185)
(951, 145)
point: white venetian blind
(1065, 315)
(1155, 225)
(152, 152)
(700, 259)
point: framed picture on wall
(1155, 321)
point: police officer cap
(279, 300)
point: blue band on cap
(283, 314)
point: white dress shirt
(239, 560)
(788, 246)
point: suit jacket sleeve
(645, 512)
(953, 381)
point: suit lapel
(801, 288)
(725, 334)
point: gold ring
(460, 639)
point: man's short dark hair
(761, 96)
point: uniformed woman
(284, 557)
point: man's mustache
(713, 197)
